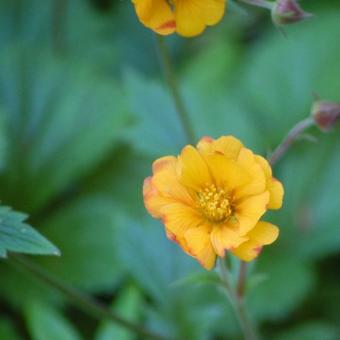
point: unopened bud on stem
(325, 114)
(286, 12)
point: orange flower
(211, 199)
(186, 17)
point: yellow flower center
(214, 203)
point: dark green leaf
(17, 236)
(62, 118)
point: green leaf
(86, 232)
(3, 142)
(212, 67)
(187, 311)
(198, 278)
(62, 119)
(16, 236)
(157, 130)
(153, 260)
(288, 283)
(46, 322)
(121, 178)
(321, 236)
(280, 75)
(129, 306)
(312, 330)
(7, 330)
(215, 72)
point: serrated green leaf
(18, 237)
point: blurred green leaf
(17, 236)
(149, 257)
(86, 232)
(188, 311)
(7, 330)
(65, 118)
(281, 74)
(288, 283)
(213, 67)
(311, 331)
(127, 305)
(157, 129)
(215, 71)
(121, 178)
(321, 236)
(3, 143)
(198, 278)
(46, 322)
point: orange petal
(249, 211)
(192, 169)
(265, 166)
(178, 218)
(275, 187)
(179, 240)
(165, 180)
(229, 146)
(199, 245)
(226, 172)
(156, 14)
(224, 238)
(264, 233)
(192, 16)
(257, 184)
(276, 194)
(153, 200)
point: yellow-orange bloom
(186, 17)
(211, 199)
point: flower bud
(286, 12)
(325, 114)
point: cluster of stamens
(214, 203)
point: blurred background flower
(188, 18)
(83, 112)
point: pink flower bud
(286, 12)
(325, 114)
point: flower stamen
(214, 203)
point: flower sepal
(285, 12)
(325, 114)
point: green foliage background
(84, 111)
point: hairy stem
(59, 9)
(171, 80)
(291, 137)
(83, 301)
(237, 302)
(242, 277)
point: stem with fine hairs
(237, 302)
(171, 80)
